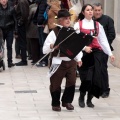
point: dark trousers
(66, 69)
(21, 41)
(42, 37)
(29, 52)
(8, 36)
(17, 47)
(35, 47)
(105, 82)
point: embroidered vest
(94, 43)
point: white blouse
(102, 39)
(51, 38)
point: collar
(99, 18)
(87, 20)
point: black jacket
(7, 18)
(41, 9)
(22, 12)
(12, 2)
(108, 25)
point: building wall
(109, 8)
(112, 9)
(94, 1)
(116, 43)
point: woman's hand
(112, 58)
(88, 49)
(79, 63)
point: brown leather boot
(68, 106)
(56, 108)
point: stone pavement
(24, 95)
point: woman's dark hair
(81, 16)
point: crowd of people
(35, 36)
(25, 22)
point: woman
(90, 72)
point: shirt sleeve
(51, 38)
(102, 39)
(79, 57)
(76, 27)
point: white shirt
(102, 39)
(51, 38)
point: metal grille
(2, 83)
(26, 91)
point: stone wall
(116, 52)
(94, 1)
(116, 17)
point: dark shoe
(89, 104)
(18, 57)
(32, 61)
(81, 100)
(41, 64)
(68, 106)
(105, 95)
(56, 108)
(21, 63)
(11, 65)
(89, 101)
(30, 58)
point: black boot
(89, 100)
(55, 98)
(10, 64)
(81, 100)
(68, 94)
(67, 97)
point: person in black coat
(42, 4)
(108, 25)
(12, 2)
(8, 23)
(31, 2)
(22, 13)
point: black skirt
(91, 71)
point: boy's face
(64, 21)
